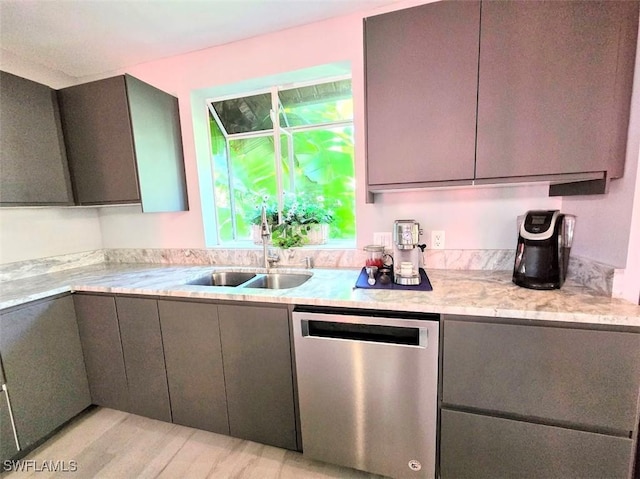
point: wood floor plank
(109, 444)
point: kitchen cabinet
(34, 162)
(124, 144)
(421, 67)
(476, 446)
(537, 401)
(102, 348)
(256, 352)
(554, 89)
(44, 367)
(144, 357)
(193, 355)
(550, 81)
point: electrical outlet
(437, 240)
(383, 239)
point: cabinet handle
(13, 424)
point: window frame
(275, 132)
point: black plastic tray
(425, 284)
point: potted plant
(304, 222)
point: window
(311, 136)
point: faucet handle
(308, 262)
(265, 230)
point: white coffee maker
(406, 252)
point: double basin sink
(243, 279)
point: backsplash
(594, 275)
(51, 264)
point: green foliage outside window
(321, 170)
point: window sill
(248, 244)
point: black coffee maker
(544, 244)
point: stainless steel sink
(278, 281)
(224, 278)
(243, 279)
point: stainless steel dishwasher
(367, 386)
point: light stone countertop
(475, 293)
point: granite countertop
(475, 293)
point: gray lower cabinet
(33, 160)
(124, 144)
(144, 357)
(256, 351)
(102, 348)
(475, 446)
(193, 355)
(521, 400)
(44, 367)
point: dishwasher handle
(398, 335)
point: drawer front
(475, 447)
(582, 377)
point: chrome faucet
(265, 233)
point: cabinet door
(99, 140)
(554, 87)
(102, 348)
(191, 339)
(144, 357)
(256, 351)
(476, 447)
(44, 367)
(583, 377)
(421, 67)
(34, 162)
(155, 123)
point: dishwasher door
(367, 388)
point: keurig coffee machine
(544, 244)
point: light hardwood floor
(104, 443)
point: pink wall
(479, 218)
(473, 218)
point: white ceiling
(89, 37)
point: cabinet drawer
(475, 446)
(576, 376)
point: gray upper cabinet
(102, 348)
(193, 355)
(33, 161)
(421, 67)
(144, 357)
(546, 83)
(555, 87)
(256, 351)
(124, 144)
(44, 367)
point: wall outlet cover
(437, 239)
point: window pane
(253, 173)
(221, 181)
(325, 173)
(322, 103)
(241, 115)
